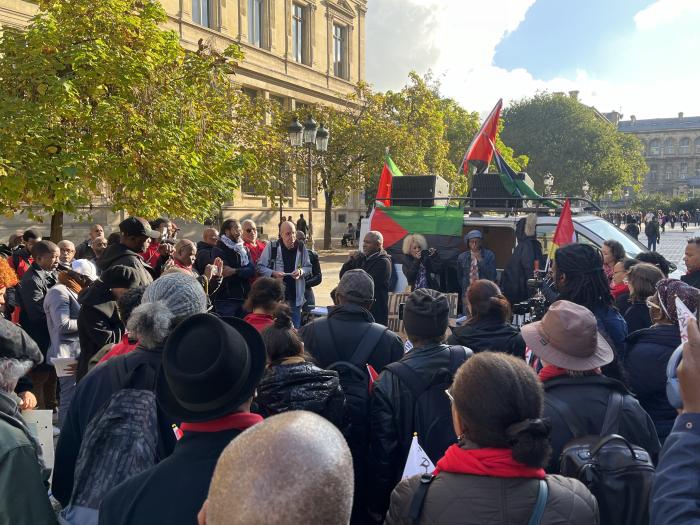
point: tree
(97, 101)
(570, 140)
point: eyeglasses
(449, 395)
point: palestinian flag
(564, 233)
(480, 151)
(388, 173)
(440, 225)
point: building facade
(672, 153)
(297, 52)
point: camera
(536, 306)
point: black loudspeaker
(420, 190)
(488, 192)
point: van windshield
(608, 231)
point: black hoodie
(118, 254)
(521, 265)
(489, 335)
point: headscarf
(667, 291)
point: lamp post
(548, 183)
(585, 188)
(309, 135)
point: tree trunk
(328, 219)
(57, 226)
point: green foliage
(98, 101)
(658, 201)
(566, 138)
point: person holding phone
(675, 496)
(421, 265)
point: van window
(606, 231)
(545, 234)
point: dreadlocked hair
(585, 283)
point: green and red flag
(480, 151)
(385, 181)
(440, 225)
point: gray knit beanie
(166, 302)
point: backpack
(432, 414)
(120, 441)
(618, 473)
(356, 378)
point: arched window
(655, 146)
(684, 146)
(669, 147)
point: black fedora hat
(210, 368)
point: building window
(202, 12)
(298, 33)
(684, 146)
(683, 173)
(652, 172)
(251, 93)
(697, 146)
(280, 101)
(669, 172)
(697, 169)
(655, 147)
(669, 147)
(255, 19)
(302, 186)
(340, 49)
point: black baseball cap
(137, 226)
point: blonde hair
(410, 239)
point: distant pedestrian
(651, 230)
(301, 224)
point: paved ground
(672, 245)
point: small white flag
(684, 315)
(417, 461)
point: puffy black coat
(392, 422)
(489, 335)
(646, 356)
(301, 386)
(587, 397)
(637, 316)
(379, 267)
(693, 279)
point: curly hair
(8, 277)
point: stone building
(297, 52)
(671, 150)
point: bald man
(84, 250)
(210, 236)
(250, 240)
(288, 260)
(292, 468)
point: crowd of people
(192, 384)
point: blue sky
(636, 56)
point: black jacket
(99, 323)
(33, 287)
(489, 335)
(632, 229)
(646, 356)
(91, 394)
(301, 386)
(693, 278)
(84, 251)
(379, 267)
(637, 317)
(392, 423)
(120, 255)
(588, 398)
(651, 230)
(411, 267)
(348, 325)
(316, 276)
(203, 257)
(173, 491)
(521, 265)
(235, 286)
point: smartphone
(164, 233)
(401, 307)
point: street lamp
(585, 187)
(548, 183)
(309, 135)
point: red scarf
(618, 289)
(550, 372)
(237, 420)
(491, 462)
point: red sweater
(259, 321)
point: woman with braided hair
(493, 474)
(579, 278)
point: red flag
(385, 181)
(564, 233)
(480, 151)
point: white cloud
(663, 12)
(457, 39)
